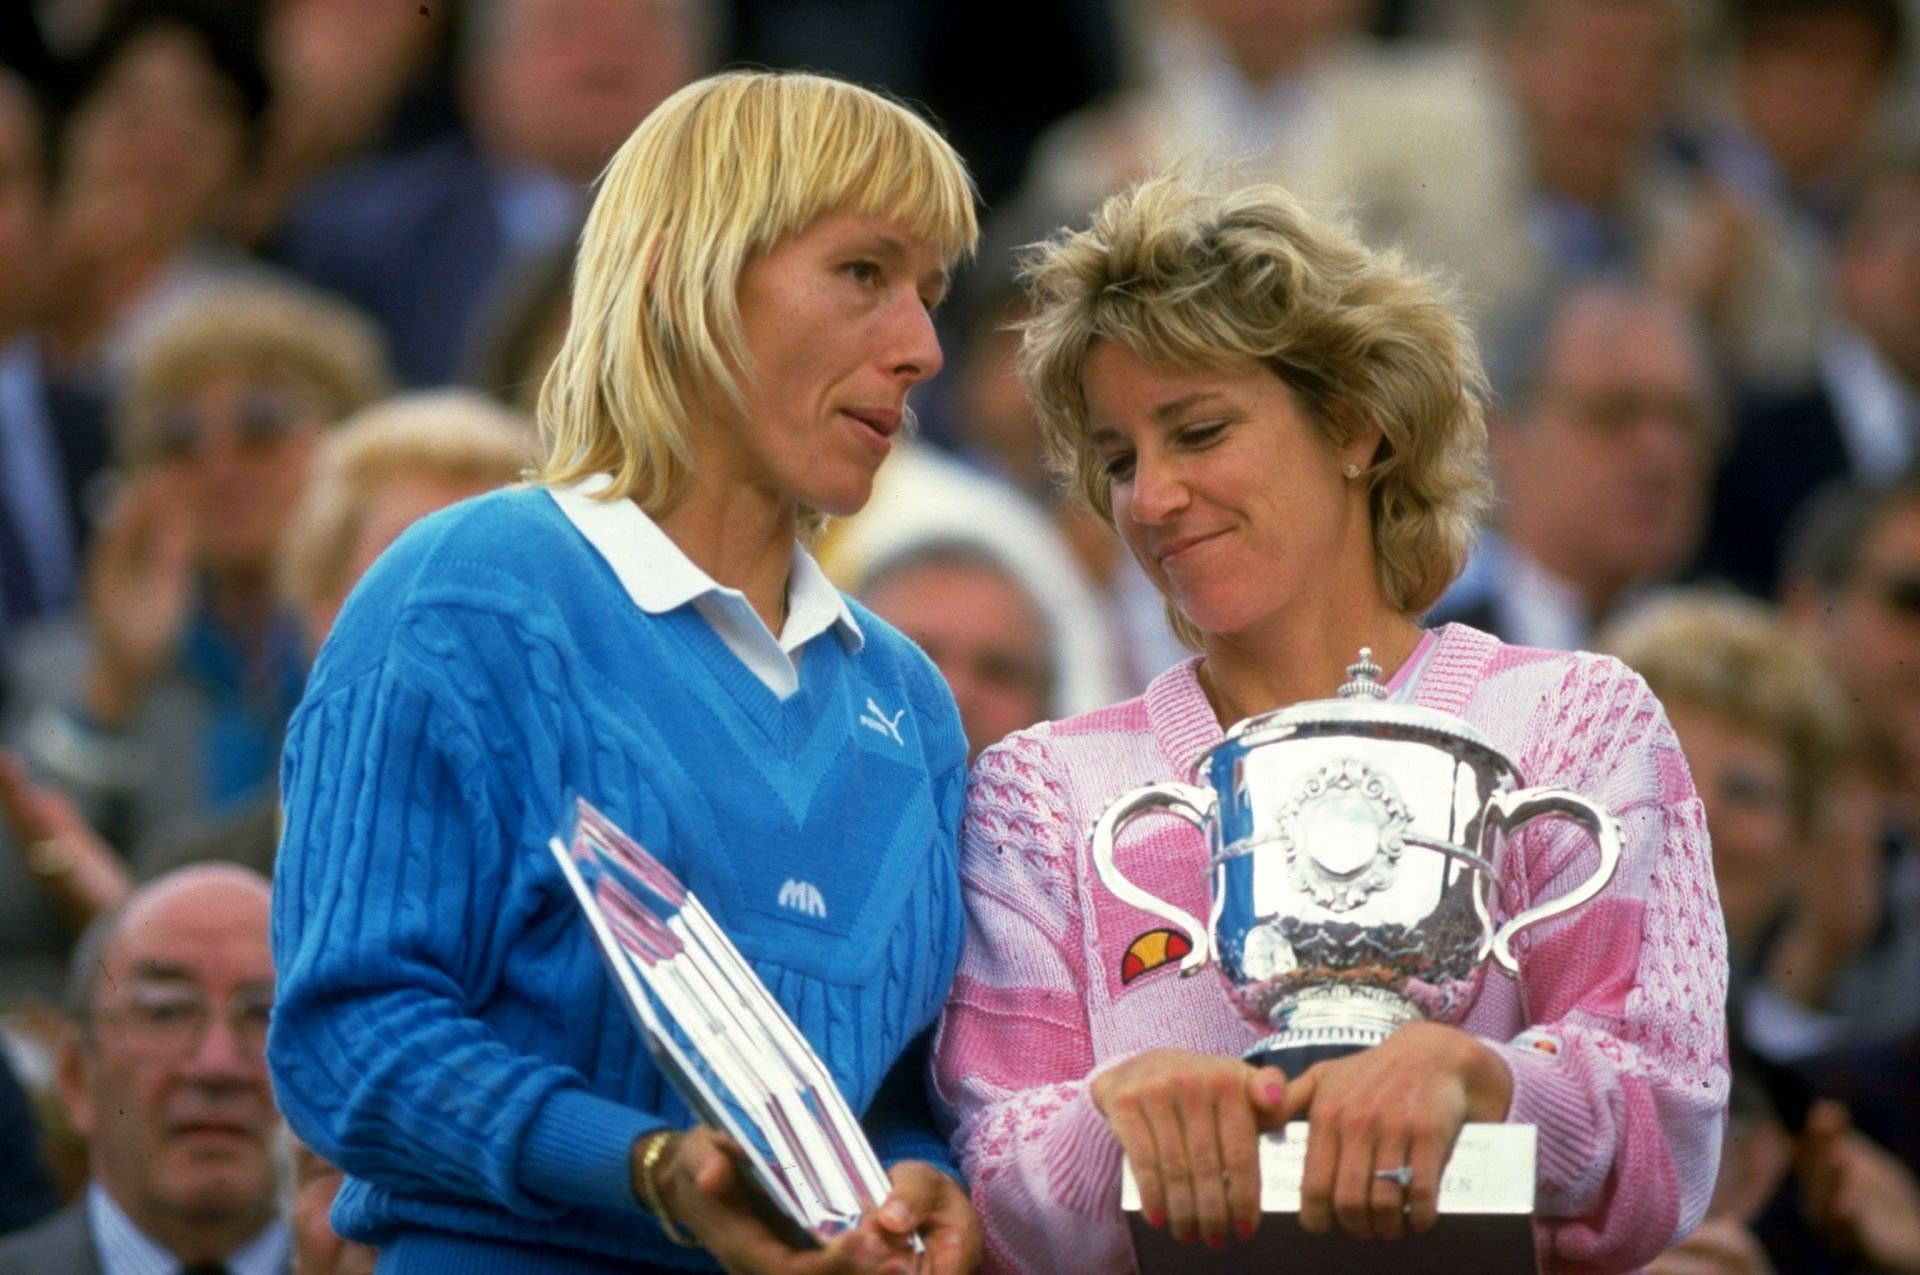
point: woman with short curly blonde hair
(1178, 275)
(1285, 429)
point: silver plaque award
(718, 1035)
(1355, 850)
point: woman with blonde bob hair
(1285, 428)
(642, 625)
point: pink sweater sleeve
(1014, 1051)
(1624, 1069)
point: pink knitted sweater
(1615, 1032)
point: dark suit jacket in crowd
(63, 1244)
(26, 1192)
(415, 241)
(1782, 451)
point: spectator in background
(373, 476)
(162, 1069)
(381, 471)
(550, 87)
(1813, 85)
(1286, 90)
(1846, 966)
(170, 699)
(1860, 418)
(49, 446)
(1763, 726)
(1808, 103)
(1591, 85)
(160, 120)
(1603, 447)
(349, 77)
(166, 698)
(974, 618)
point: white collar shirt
(125, 1249)
(659, 577)
(1538, 608)
(1878, 416)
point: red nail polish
(1216, 1241)
(1156, 1219)
(1273, 1091)
(1244, 1229)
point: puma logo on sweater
(875, 718)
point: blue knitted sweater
(445, 1031)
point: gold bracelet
(650, 1186)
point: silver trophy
(1355, 849)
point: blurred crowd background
(279, 276)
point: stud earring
(1353, 470)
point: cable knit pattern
(1614, 1033)
(445, 1030)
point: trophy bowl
(1355, 850)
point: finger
(897, 1215)
(1351, 1181)
(1201, 1128)
(1357, 1194)
(1240, 1157)
(1131, 1131)
(1175, 1167)
(951, 1231)
(1387, 1199)
(1427, 1156)
(1297, 1094)
(1317, 1175)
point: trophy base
(1485, 1226)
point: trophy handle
(1508, 812)
(1196, 806)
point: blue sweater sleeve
(398, 884)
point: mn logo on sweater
(802, 896)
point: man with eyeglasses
(1604, 444)
(162, 1071)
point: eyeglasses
(1614, 411)
(166, 1020)
(259, 419)
(1749, 788)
